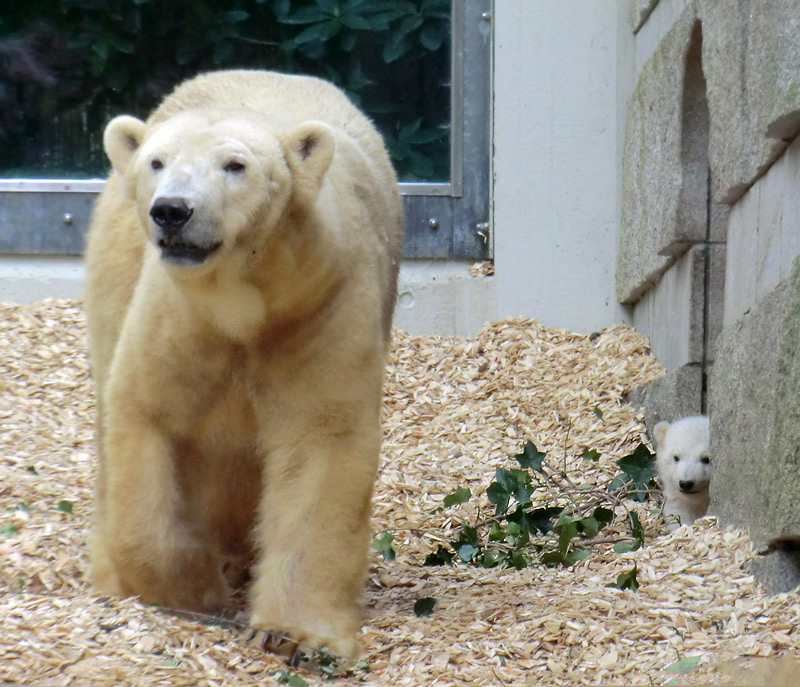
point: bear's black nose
(170, 213)
(686, 485)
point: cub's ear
(121, 139)
(660, 433)
(309, 149)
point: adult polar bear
(242, 265)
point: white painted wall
(556, 162)
(562, 74)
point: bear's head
(683, 453)
(207, 182)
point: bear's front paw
(299, 646)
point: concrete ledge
(28, 279)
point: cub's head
(209, 182)
(682, 449)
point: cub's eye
(677, 459)
(705, 460)
(156, 164)
(234, 167)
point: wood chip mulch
(456, 408)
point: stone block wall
(710, 234)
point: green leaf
(383, 544)
(576, 556)
(460, 495)
(552, 559)
(625, 546)
(467, 552)
(592, 455)
(395, 48)
(506, 479)
(684, 665)
(439, 557)
(431, 38)
(497, 533)
(604, 516)
(499, 496)
(65, 507)
(627, 580)
(636, 527)
(285, 677)
(32, 470)
(541, 519)
(566, 533)
(598, 412)
(306, 15)
(589, 526)
(491, 559)
(321, 32)
(520, 560)
(639, 466)
(530, 458)
(9, 529)
(236, 16)
(617, 483)
(424, 606)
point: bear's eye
(234, 167)
(677, 459)
(705, 460)
(156, 164)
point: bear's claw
(279, 643)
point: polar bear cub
(684, 468)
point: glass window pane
(68, 66)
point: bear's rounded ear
(121, 139)
(309, 149)
(660, 433)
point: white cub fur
(684, 468)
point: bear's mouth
(185, 254)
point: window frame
(444, 220)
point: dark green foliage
(523, 532)
(65, 507)
(460, 495)
(638, 472)
(383, 544)
(531, 458)
(439, 557)
(627, 580)
(286, 677)
(687, 664)
(424, 606)
(592, 455)
(68, 66)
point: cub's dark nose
(170, 213)
(686, 485)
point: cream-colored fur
(239, 388)
(684, 468)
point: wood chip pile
(456, 409)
